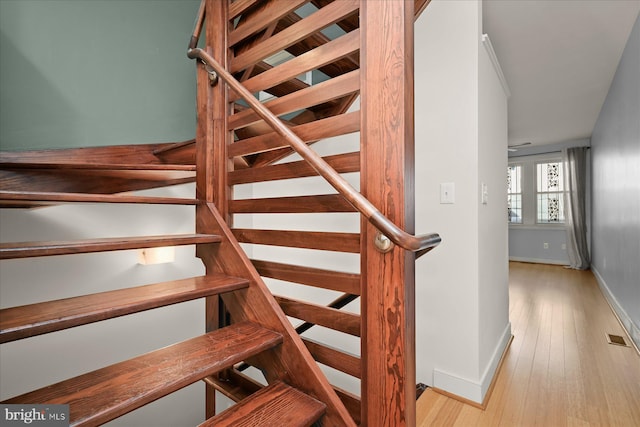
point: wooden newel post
(212, 138)
(387, 175)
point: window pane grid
(514, 205)
(550, 208)
(514, 194)
(549, 193)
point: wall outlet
(546, 245)
(564, 246)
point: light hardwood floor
(559, 370)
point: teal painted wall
(95, 72)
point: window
(549, 193)
(514, 194)
(535, 190)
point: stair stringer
(292, 362)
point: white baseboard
(474, 391)
(490, 371)
(632, 329)
(538, 260)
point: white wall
(39, 361)
(494, 327)
(461, 285)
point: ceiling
(559, 58)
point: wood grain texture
(204, 137)
(262, 65)
(280, 89)
(386, 179)
(313, 95)
(292, 363)
(295, 204)
(178, 153)
(102, 395)
(309, 132)
(348, 283)
(239, 6)
(341, 163)
(559, 370)
(347, 24)
(419, 244)
(316, 58)
(114, 154)
(317, 39)
(352, 403)
(337, 320)
(57, 198)
(37, 249)
(333, 69)
(212, 139)
(269, 11)
(102, 181)
(35, 319)
(275, 405)
(325, 110)
(234, 384)
(337, 359)
(294, 33)
(99, 166)
(337, 242)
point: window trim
(529, 191)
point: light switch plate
(447, 192)
(485, 194)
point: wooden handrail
(418, 244)
(197, 28)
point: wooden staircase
(102, 395)
(241, 141)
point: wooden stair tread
(102, 395)
(30, 164)
(174, 146)
(36, 249)
(35, 319)
(58, 197)
(275, 405)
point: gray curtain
(575, 179)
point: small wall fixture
(159, 255)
